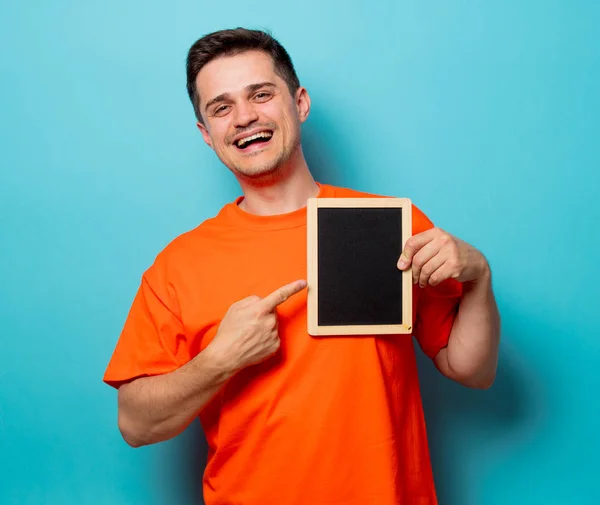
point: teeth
(243, 141)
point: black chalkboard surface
(354, 285)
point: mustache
(266, 126)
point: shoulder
(420, 220)
(344, 192)
(183, 251)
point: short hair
(232, 42)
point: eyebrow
(251, 88)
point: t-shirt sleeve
(436, 312)
(152, 339)
(436, 306)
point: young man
(217, 329)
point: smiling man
(218, 331)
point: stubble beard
(269, 169)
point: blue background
(484, 113)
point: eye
(222, 109)
(262, 96)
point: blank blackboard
(354, 285)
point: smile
(257, 140)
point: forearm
(471, 356)
(154, 409)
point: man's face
(251, 119)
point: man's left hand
(436, 255)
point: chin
(261, 167)
(257, 169)
(258, 172)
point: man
(217, 329)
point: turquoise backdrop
(484, 113)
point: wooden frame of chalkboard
(354, 284)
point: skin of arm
(157, 408)
(154, 409)
(471, 357)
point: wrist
(220, 365)
(483, 281)
(485, 277)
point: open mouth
(254, 141)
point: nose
(245, 114)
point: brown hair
(232, 42)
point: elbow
(474, 375)
(478, 381)
(489, 381)
(133, 428)
(132, 437)
(469, 376)
(136, 433)
(132, 441)
(483, 383)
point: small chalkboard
(354, 284)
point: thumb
(403, 262)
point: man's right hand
(156, 408)
(248, 334)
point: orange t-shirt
(326, 420)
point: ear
(302, 103)
(205, 134)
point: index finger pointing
(280, 295)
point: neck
(285, 191)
